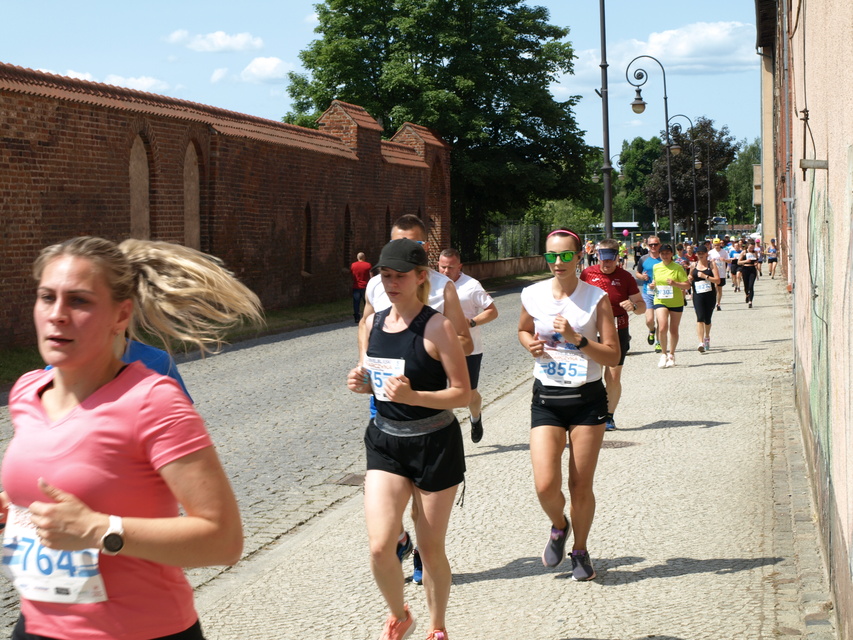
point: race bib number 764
(48, 575)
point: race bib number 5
(380, 369)
(567, 368)
(48, 575)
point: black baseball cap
(402, 255)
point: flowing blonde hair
(178, 293)
(423, 287)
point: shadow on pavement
(521, 568)
(668, 424)
(656, 637)
(497, 448)
(609, 575)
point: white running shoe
(670, 361)
(662, 361)
(701, 347)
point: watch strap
(115, 528)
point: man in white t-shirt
(479, 309)
(442, 294)
(721, 258)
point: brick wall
(65, 148)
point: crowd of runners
(575, 325)
(115, 541)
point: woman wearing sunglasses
(568, 327)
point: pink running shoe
(437, 634)
(396, 629)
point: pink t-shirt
(107, 452)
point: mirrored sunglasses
(565, 256)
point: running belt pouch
(559, 396)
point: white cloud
(312, 18)
(698, 48)
(220, 41)
(79, 75)
(706, 47)
(218, 75)
(142, 83)
(266, 70)
(178, 37)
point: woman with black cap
(416, 370)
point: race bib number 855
(566, 368)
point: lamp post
(708, 160)
(639, 105)
(697, 164)
(606, 168)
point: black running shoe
(477, 429)
(651, 338)
(555, 550)
(582, 566)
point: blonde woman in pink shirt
(105, 454)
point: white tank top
(580, 309)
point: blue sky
(236, 55)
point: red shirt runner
(618, 285)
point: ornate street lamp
(693, 169)
(639, 105)
(597, 178)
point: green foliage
(738, 206)
(565, 214)
(475, 71)
(722, 147)
(637, 160)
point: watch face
(113, 543)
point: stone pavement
(704, 526)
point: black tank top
(709, 272)
(424, 372)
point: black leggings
(748, 274)
(193, 633)
(703, 304)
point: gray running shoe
(555, 550)
(582, 566)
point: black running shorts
(433, 462)
(568, 406)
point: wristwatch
(582, 343)
(472, 323)
(113, 540)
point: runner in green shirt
(670, 283)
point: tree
(722, 147)
(566, 214)
(637, 160)
(739, 175)
(475, 71)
